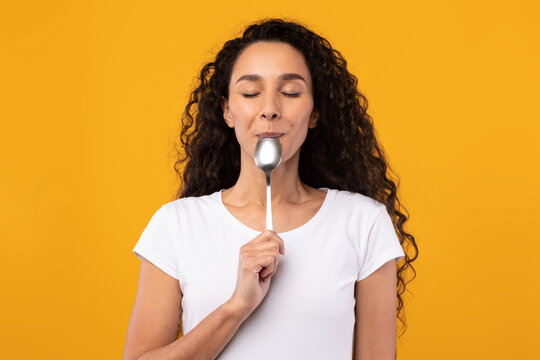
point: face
(270, 91)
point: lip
(270, 134)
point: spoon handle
(269, 225)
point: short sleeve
(156, 245)
(380, 246)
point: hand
(257, 263)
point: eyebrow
(257, 77)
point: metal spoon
(267, 158)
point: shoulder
(353, 201)
(191, 202)
(191, 210)
(356, 210)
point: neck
(286, 187)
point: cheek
(301, 111)
(244, 135)
(241, 108)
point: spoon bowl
(268, 154)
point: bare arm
(375, 327)
(154, 322)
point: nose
(270, 106)
(270, 114)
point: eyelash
(286, 94)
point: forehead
(270, 60)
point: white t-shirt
(308, 312)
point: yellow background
(91, 95)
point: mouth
(270, 135)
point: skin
(154, 321)
(271, 110)
(375, 310)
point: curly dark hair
(352, 158)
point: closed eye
(286, 94)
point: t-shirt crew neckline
(330, 193)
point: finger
(264, 237)
(267, 249)
(275, 269)
(270, 242)
(274, 236)
(269, 264)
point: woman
(323, 284)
